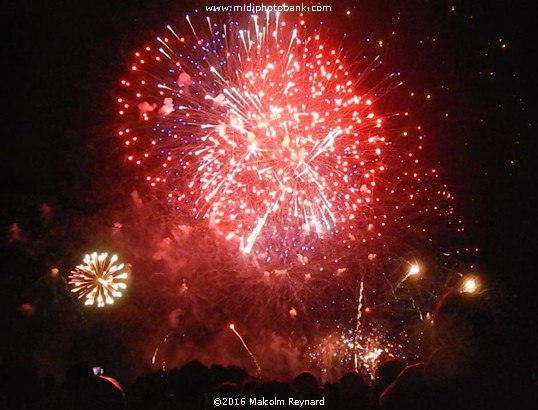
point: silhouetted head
(227, 389)
(234, 374)
(193, 382)
(461, 316)
(389, 370)
(306, 385)
(408, 391)
(354, 389)
(352, 381)
(77, 377)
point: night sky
(474, 59)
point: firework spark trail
(258, 368)
(155, 353)
(414, 270)
(358, 325)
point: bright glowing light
(414, 269)
(470, 284)
(99, 280)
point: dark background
(62, 63)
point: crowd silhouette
(471, 367)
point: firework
(340, 351)
(258, 368)
(358, 323)
(263, 130)
(414, 270)
(470, 284)
(99, 280)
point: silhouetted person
(306, 386)
(233, 374)
(105, 394)
(409, 391)
(474, 367)
(82, 390)
(331, 393)
(192, 385)
(227, 391)
(354, 391)
(77, 384)
(147, 392)
(386, 374)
